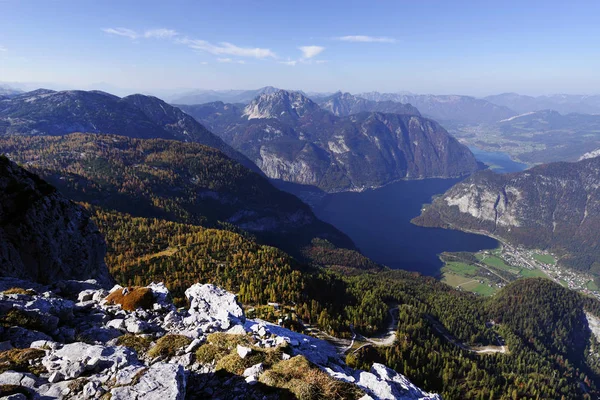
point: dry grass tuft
(168, 345)
(135, 297)
(28, 320)
(307, 382)
(22, 360)
(137, 343)
(18, 290)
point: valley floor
(487, 271)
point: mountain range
(538, 136)
(553, 207)
(448, 109)
(345, 104)
(563, 103)
(47, 112)
(292, 138)
(228, 96)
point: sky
(422, 46)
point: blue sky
(424, 46)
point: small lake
(378, 221)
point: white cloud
(130, 33)
(291, 63)
(311, 51)
(228, 49)
(367, 39)
(321, 61)
(2, 48)
(161, 33)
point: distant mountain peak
(279, 104)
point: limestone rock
(160, 382)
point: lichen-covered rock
(45, 237)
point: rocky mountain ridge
(344, 104)
(149, 349)
(44, 236)
(292, 139)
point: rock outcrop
(90, 352)
(553, 206)
(45, 237)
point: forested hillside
(183, 182)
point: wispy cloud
(2, 48)
(366, 39)
(291, 63)
(230, 61)
(310, 51)
(228, 49)
(121, 32)
(161, 33)
(222, 49)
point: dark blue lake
(378, 221)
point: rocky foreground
(76, 340)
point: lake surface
(499, 162)
(378, 221)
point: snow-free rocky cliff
(79, 357)
(553, 206)
(45, 237)
(291, 138)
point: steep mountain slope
(293, 139)
(46, 112)
(184, 182)
(229, 96)
(554, 206)
(43, 236)
(451, 109)
(344, 104)
(563, 103)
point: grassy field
(544, 258)
(497, 262)
(461, 268)
(591, 285)
(535, 273)
(468, 283)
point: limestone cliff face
(554, 206)
(44, 237)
